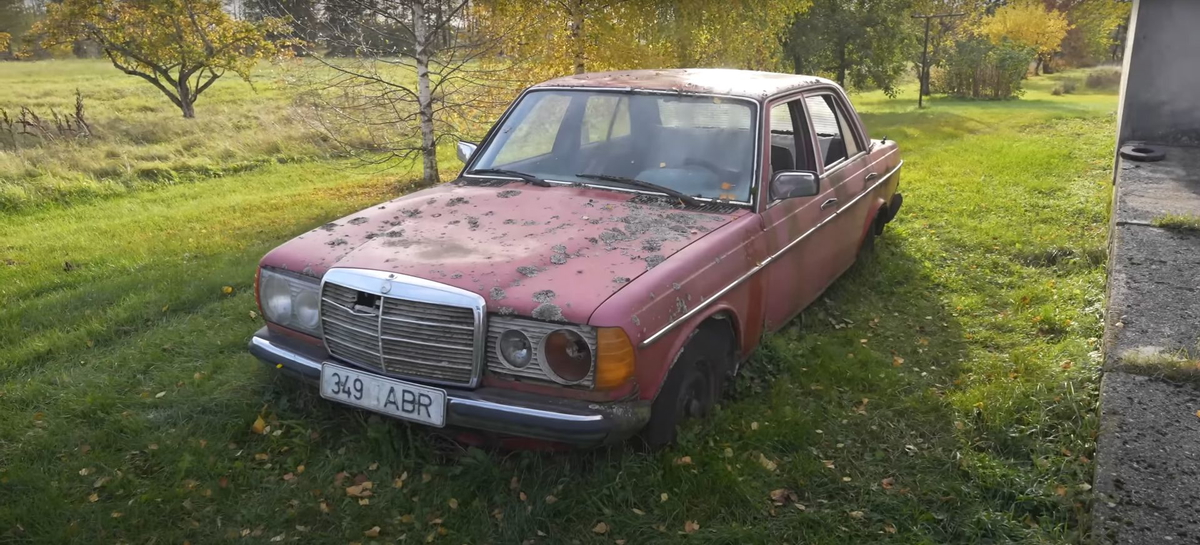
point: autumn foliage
(179, 46)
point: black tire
(692, 388)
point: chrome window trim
(760, 266)
(412, 288)
(756, 115)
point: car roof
(717, 81)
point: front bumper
(491, 410)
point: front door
(803, 253)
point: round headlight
(514, 348)
(277, 299)
(307, 310)
(567, 355)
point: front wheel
(691, 389)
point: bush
(1103, 78)
(977, 68)
(1065, 88)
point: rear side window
(832, 129)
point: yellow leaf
(766, 462)
(663, 496)
(373, 466)
(397, 483)
(227, 290)
(116, 514)
(259, 426)
(94, 497)
(364, 501)
(897, 361)
(683, 461)
(828, 463)
(691, 526)
(638, 512)
(522, 496)
(1060, 490)
(856, 514)
(551, 500)
(373, 532)
(86, 471)
(600, 528)
(453, 503)
(300, 469)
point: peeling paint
(549, 312)
(544, 296)
(498, 294)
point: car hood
(554, 253)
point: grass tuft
(1178, 222)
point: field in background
(944, 391)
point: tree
(858, 42)
(1095, 28)
(180, 46)
(555, 37)
(404, 75)
(1030, 24)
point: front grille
(398, 337)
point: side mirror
(790, 184)
(466, 150)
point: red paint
(487, 240)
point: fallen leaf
(100, 482)
(227, 290)
(453, 503)
(288, 476)
(324, 506)
(551, 500)
(373, 532)
(397, 483)
(691, 526)
(426, 477)
(522, 496)
(94, 497)
(619, 542)
(1060, 490)
(897, 361)
(888, 483)
(339, 478)
(373, 466)
(116, 514)
(754, 425)
(514, 484)
(360, 490)
(828, 463)
(728, 452)
(278, 538)
(300, 469)
(260, 425)
(766, 462)
(86, 471)
(600, 528)
(683, 461)
(364, 501)
(780, 496)
(261, 456)
(638, 512)
(889, 528)
(855, 514)
(663, 496)
(160, 394)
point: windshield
(699, 146)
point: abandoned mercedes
(613, 249)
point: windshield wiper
(687, 199)
(529, 178)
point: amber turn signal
(614, 357)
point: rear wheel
(692, 387)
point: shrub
(1065, 88)
(978, 68)
(1103, 78)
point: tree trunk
(575, 7)
(842, 66)
(424, 97)
(188, 108)
(187, 103)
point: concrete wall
(1160, 90)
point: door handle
(828, 203)
(872, 176)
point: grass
(1179, 366)
(1178, 222)
(944, 391)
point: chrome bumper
(491, 410)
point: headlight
(290, 301)
(515, 349)
(566, 356)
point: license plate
(383, 395)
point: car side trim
(720, 293)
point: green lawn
(943, 392)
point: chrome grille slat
(401, 337)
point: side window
(604, 118)
(834, 137)
(783, 139)
(535, 136)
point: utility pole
(924, 77)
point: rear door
(843, 158)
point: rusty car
(613, 250)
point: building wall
(1160, 90)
